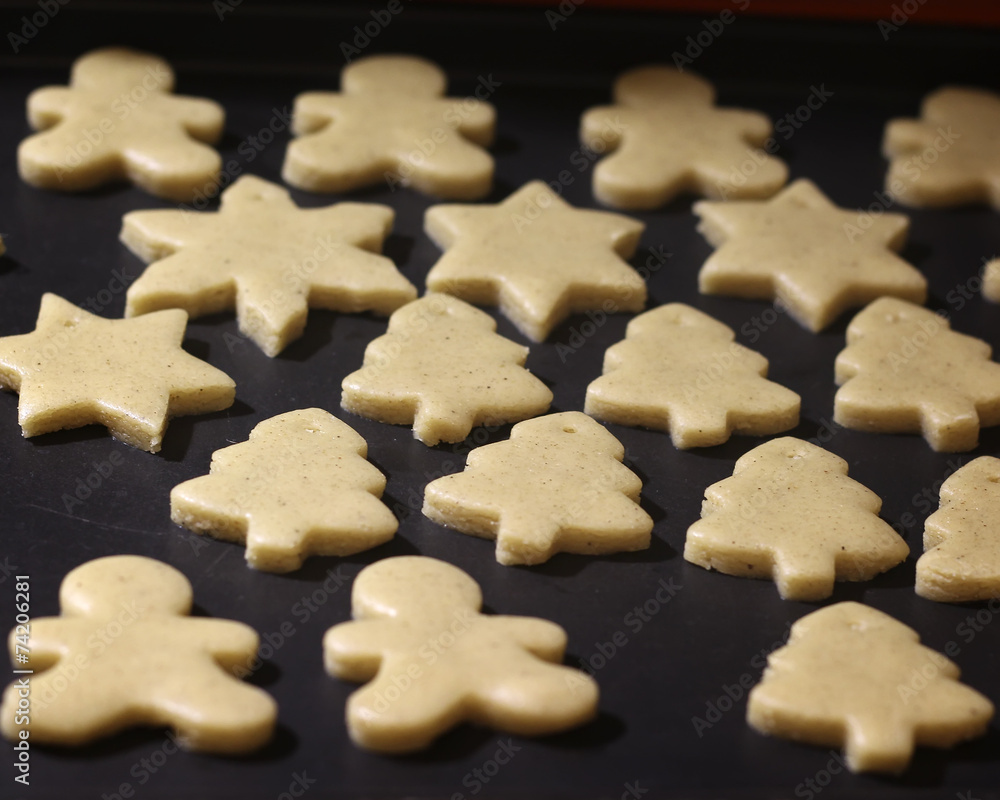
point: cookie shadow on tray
(181, 429)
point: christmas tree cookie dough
(666, 136)
(117, 120)
(536, 257)
(853, 677)
(961, 560)
(679, 370)
(791, 514)
(301, 486)
(268, 258)
(391, 122)
(443, 368)
(498, 671)
(807, 254)
(905, 371)
(130, 375)
(951, 155)
(153, 665)
(557, 485)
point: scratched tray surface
(673, 647)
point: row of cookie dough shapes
(130, 375)
(807, 254)
(905, 371)
(391, 123)
(536, 257)
(790, 513)
(666, 137)
(679, 370)
(160, 667)
(499, 671)
(301, 486)
(951, 155)
(846, 679)
(557, 485)
(268, 258)
(442, 367)
(117, 120)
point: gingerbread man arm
(47, 106)
(474, 119)
(203, 119)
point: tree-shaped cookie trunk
(679, 370)
(442, 367)
(790, 513)
(557, 485)
(961, 560)
(855, 677)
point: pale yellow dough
(791, 514)
(130, 375)
(391, 124)
(991, 280)
(117, 120)
(854, 677)
(905, 371)
(443, 368)
(300, 486)
(125, 653)
(961, 560)
(431, 660)
(557, 485)
(268, 258)
(679, 370)
(536, 257)
(807, 254)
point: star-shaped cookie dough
(806, 253)
(267, 257)
(129, 375)
(951, 155)
(536, 257)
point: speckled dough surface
(432, 661)
(679, 370)
(301, 486)
(443, 368)
(268, 258)
(848, 678)
(790, 513)
(130, 375)
(124, 653)
(117, 120)
(905, 371)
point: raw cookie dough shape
(905, 371)
(806, 253)
(679, 370)
(790, 513)
(961, 560)
(536, 257)
(443, 368)
(267, 257)
(300, 486)
(432, 661)
(117, 120)
(391, 122)
(557, 485)
(155, 664)
(846, 679)
(668, 137)
(130, 375)
(951, 155)
(991, 280)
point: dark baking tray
(671, 659)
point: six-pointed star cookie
(951, 155)
(537, 257)
(117, 120)
(267, 257)
(806, 253)
(129, 375)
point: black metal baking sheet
(676, 656)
